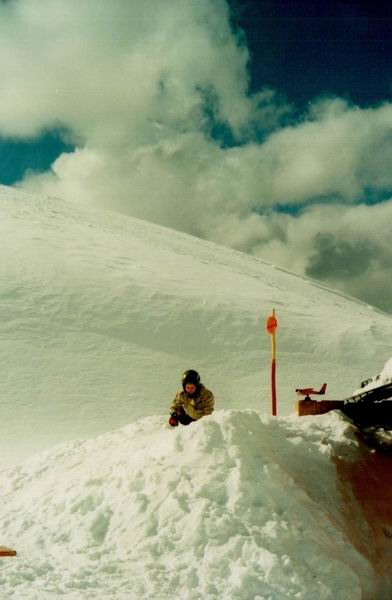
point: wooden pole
(4, 551)
(272, 325)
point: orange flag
(271, 327)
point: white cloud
(140, 84)
(346, 247)
(107, 69)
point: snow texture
(99, 316)
(382, 378)
(232, 507)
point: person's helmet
(191, 376)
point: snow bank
(233, 507)
(101, 313)
(382, 378)
(386, 373)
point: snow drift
(235, 507)
(100, 314)
(382, 378)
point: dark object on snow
(173, 421)
(382, 392)
(4, 551)
(370, 414)
(181, 417)
(308, 406)
(371, 408)
(195, 400)
(191, 376)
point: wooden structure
(313, 407)
(4, 551)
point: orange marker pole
(271, 326)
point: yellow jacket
(197, 407)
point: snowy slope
(233, 507)
(382, 378)
(100, 314)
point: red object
(273, 387)
(173, 421)
(272, 325)
(308, 391)
(313, 407)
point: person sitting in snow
(193, 403)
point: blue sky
(300, 49)
(19, 156)
(262, 125)
(331, 47)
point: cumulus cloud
(155, 97)
(346, 247)
(109, 70)
(354, 253)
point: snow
(382, 378)
(101, 313)
(99, 316)
(235, 506)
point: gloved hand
(173, 421)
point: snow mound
(233, 507)
(101, 313)
(382, 378)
